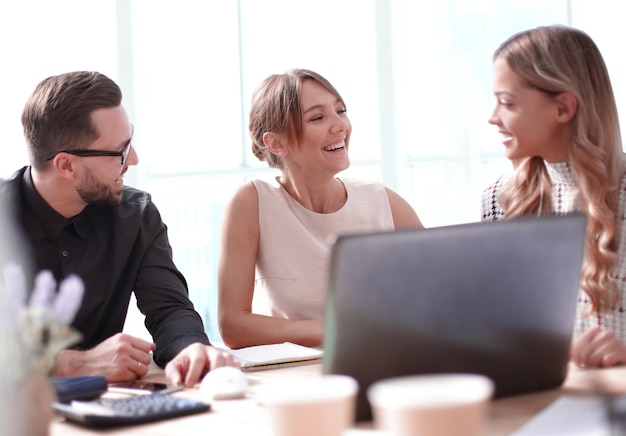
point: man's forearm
(67, 363)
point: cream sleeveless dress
(294, 245)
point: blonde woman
(558, 119)
(275, 240)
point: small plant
(34, 329)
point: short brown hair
(57, 116)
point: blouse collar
(560, 172)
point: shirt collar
(560, 172)
(52, 222)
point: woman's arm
(403, 213)
(239, 327)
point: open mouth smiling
(335, 147)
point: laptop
(493, 298)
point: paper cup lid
(431, 390)
(324, 388)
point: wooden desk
(245, 416)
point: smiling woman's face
(526, 117)
(326, 131)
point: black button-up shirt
(115, 251)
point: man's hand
(597, 348)
(120, 358)
(194, 361)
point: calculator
(107, 412)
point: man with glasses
(81, 219)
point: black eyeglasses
(90, 153)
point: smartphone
(154, 387)
(141, 387)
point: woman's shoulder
(490, 207)
(244, 197)
(495, 186)
(265, 183)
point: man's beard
(93, 192)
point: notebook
(493, 298)
(271, 356)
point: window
(416, 77)
(42, 38)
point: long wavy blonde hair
(557, 59)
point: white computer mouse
(224, 383)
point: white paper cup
(318, 406)
(433, 404)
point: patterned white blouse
(565, 193)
